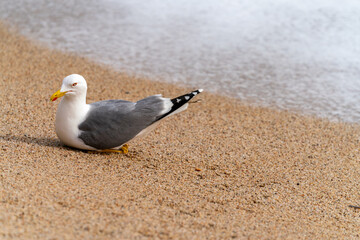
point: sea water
(295, 55)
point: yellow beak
(57, 95)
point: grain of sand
(220, 170)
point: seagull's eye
(74, 84)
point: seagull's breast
(69, 115)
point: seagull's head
(72, 86)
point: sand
(220, 170)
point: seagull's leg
(123, 149)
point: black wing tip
(178, 102)
(181, 100)
(195, 92)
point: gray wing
(112, 123)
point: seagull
(108, 126)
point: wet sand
(220, 170)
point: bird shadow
(51, 142)
(42, 141)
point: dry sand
(220, 170)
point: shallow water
(302, 56)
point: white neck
(71, 112)
(74, 102)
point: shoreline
(219, 170)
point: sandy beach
(220, 170)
